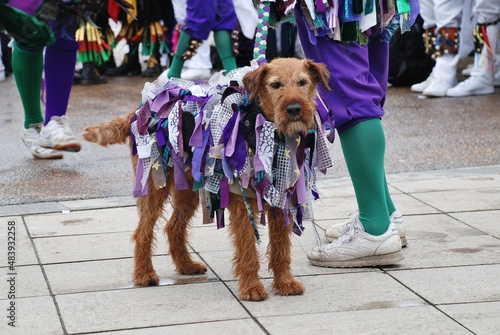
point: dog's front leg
(279, 251)
(246, 257)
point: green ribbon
(403, 6)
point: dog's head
(286, 88)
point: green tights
(223, 43)
(28, 67)
(363, 146)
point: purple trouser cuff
(204, 16)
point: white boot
(474, 85)
(444, 76)
(482, 76)
(420, 87)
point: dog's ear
(253, 80)
(319, 72)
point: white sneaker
(58, 135)
(420, 87)
(438, 87)
(470, 86)
(356, 248)
(336, 230)
(195, 74)
(30, 139)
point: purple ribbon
(139, 191)
(143, 118)
(224, 192)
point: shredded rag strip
(340, 20)
(198, 126)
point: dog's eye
(302, 82)
(275, 85)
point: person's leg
(482, 74)
(448, 16)
(356, 101)
(199, 18)
(378, 53)
(59, 67)
(153, 69)
(200, 66)
(185, 43)
(28, 67)
(129, 66)
(363, 146)
(225, 24)
(60, 61)
(224, 45)
(429, 25)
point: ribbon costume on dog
(229, 144)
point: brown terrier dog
(286, 89)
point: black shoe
(90, 75)
(110, 64)
(129, 67)
(77, 78)
(154, 68)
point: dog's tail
(111, 132)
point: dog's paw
(289, 287)
(147, 279)
(253, 293)
(193, 268)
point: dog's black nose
(293, 109)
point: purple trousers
(27, 6)
(358, 75)
(204, 16)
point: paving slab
(28, 282)
(481, 317)
(485, 221)
(113, 274)
(35, 315)
(148, 307)
(405, 320)
(454, 285)
(84, 222)
(335, 293)
(454, 201)
(451, 251)
(24, 254)
(76, 248)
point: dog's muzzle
(294, 109)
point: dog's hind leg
(150, 209)
(184, 203)
(246, 256)
(279, 251)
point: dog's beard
(297, 126)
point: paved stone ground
(74, 263)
